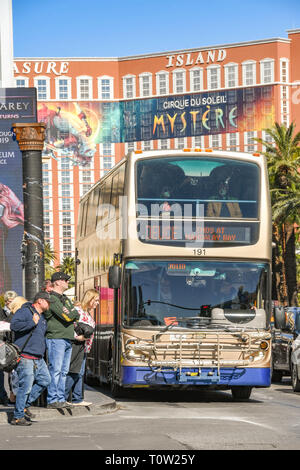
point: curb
(102, 404)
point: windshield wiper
(149, 302)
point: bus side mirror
(114, 277)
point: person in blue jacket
(32, 370)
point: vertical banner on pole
(16, 105)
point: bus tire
(295, 378)
(115, 389)
(241, 393)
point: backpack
(10, 353)
(9, 356)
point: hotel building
(97, 109)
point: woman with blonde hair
(84, 335)
(9, 296)
(17, 303)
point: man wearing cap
(30, 326)
(60, 334)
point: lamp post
(31, 138)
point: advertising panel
(16, 105)
(74, 129)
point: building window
(180, 143)
(42, 86)
(84, 88)
(65, 176)
(107, 163)
(231, 75)
(249, 73)
(213, 77)
(198, 141)
(66, 231)
(284, 70)
(86, 177)
(163, 144)
(145, 84)
(147, 145)
(67, 247)
(284, 104)
(106, 149)
(66, 217)
(129, 86)
(179, 81)
(65, 163)
(63, 88)
(196, 79)
(129, 147)
(232, 141)
(66, 190)
(162, 83)
(215, 141)
(249, 142)
(105, 88)
(267, 71)
(46, 204)
(66, 204)
(46, 231)
(21, 82)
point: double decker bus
(178, 244)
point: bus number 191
(199, 252)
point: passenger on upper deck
(159, 180)
(226, 208)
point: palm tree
(49, 259)
(68, 267)
(283, 156)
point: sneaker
(28, 413)
(54, 405)
(20, 422)
(83, 403)
(64, 404)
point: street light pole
(31, 138)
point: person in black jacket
(3, 393)
(28, 323)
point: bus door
(106, 340)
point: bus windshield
(184, 292)
(225, 188)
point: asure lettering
(58, 68)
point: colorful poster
(16, 105)
(74, 129)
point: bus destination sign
(180, 232)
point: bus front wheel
(115, 389)
(241, 393)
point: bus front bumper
(255, 377)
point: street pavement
(101, 404)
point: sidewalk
(101, 404)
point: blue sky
(118, 28)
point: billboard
(74, 129)
(16, 105)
